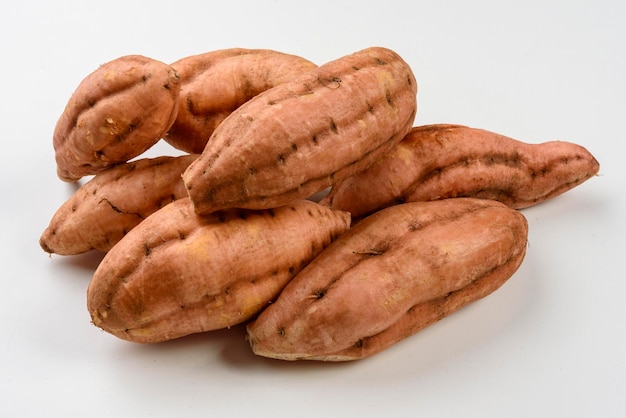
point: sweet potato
(113, 202)
(116, 113)
(391, 275)
(301, 136)
(178, 273)
(215, 83)
(443, 161)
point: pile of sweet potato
(414, 222)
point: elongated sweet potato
(391, 275)
(113, 202)
(215, 83)
(178, 273)
(301, 136)
(443, 161)
(116, 113)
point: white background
(551, 342)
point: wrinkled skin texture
(216, 83)
(391, 275)
(301, 136)
(445, 161)
(115, 114)
(113, 202)
(177, 273)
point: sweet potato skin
(178, 273)
(113, 202)
(215, 83)
(301, 136)
(446, 161)
(115, 114)
(391, 275)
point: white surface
(551, 342)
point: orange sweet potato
(215, 83)
(391, 275)
(178, 273)
(301, 136)
(443, 161)
(113, 202)
(116, 113)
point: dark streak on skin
(118, 210)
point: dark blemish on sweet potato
(333, 127)
(330, 82)
(389, 98)
(248, 89)
(374, 251)
(190, 105)
(120, 211)
(414, 226)
(494, 159)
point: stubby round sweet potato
(301, 136)
(445, 161)
(115, 114)
(215, 83)
(113, 202)
(178, 273)
(391, 275)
